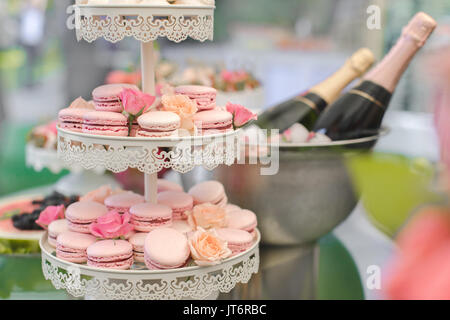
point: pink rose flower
(112, 225)
(241, 115)
(207, 216)
(135, 102)
(207, 248)
(421, 268)
(50, 214)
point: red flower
(50, 214)
(241, 115)
(112, 225)
(421, 270)
(135, 102)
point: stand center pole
(148, 86)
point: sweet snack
(231, 207)
(243, 219)
(147, 216)
(158, 124)
(110, 254)
(180, 202)
(81, 214)
(72, 246)
(100, 194)
(72, 118)
(237, 240)
(213, 121)
(122, 202)
(106, 97)
(137, 241)
(166, 248)
(56, 228)
(209, 191)
(44, 136)
(105, 123)
(205, 97)
(166, 185)
(182, 226)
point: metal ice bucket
(309, 196)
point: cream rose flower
(100, 194)
(182, 106)
(207, 216)
(207, 248)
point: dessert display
(163, 132)
(165, 235)
(44, 136)
(123, 110)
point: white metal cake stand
(191, 282)
(182, 154)
(78, 181)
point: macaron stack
(162, 234)
(107, 118)
(205, 97)
(110, 254)
(158, 124)
(80, 215)
(106, 97)
(179, 202)
(209, 192)
(147, 216)
(209, 118)
(122, 202)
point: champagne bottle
(306, 107)
(360, 111)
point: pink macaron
(166, 185)
(231, 207)
(106, 97)
(72, 118)
(137, 241)
(105, 123)
(72, 246)
(213, 121)
(80, 215)
(209, 192)
(55, 228)
(147, 216)
(205, 97)
(158, 124)
(122, 202)
(242, 219)
(180, 202)
(182, 226)
(110, 254)
(166, 248)
(237, 240)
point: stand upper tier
(145, 22)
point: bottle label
(306, 101)
(368, 97)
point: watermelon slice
(12, 240)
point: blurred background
(284, 46)
(288, 47)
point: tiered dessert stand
(149, 155)
(78, 181)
